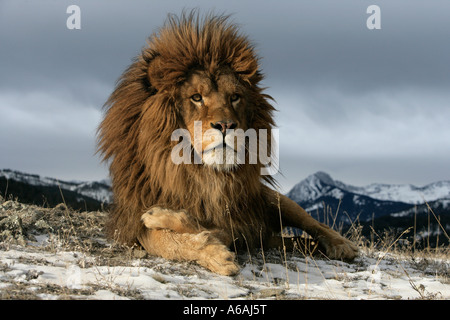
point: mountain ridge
(311, 193)
(311, 187)
(330, 201)
(379, 207)
(34, 189)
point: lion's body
(190, 71)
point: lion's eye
(235, 97)
(197, 97)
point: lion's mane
(142, 113)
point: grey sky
(364, 105)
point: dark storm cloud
(347, 94)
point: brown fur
(193, 211)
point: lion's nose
(224, 125)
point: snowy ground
(42, 259)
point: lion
(201, 76)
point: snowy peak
(323, 177)
(314, 187)
(409, 193)
(321, 195)
(321, 184)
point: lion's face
(214, 109)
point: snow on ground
(76, 275)
(42, 259)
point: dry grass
(389, 244)
(81, 232)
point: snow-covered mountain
(379, 207)
(27, 185)
(320, 191)
(321, 183)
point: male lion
(200, 75)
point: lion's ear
(155, 72)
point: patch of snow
(387, 277)
(358, 201)
(336, 193)
(401, 214)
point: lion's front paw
(159, 218)
(214, 255)
(219, 259)
(155, 221)
(340, 248)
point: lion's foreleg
(178, 221)
(337, 247)
(202, 248)
(175, 235)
